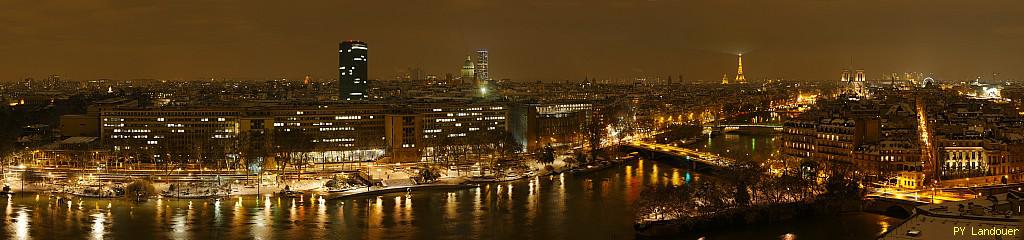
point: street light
(933, 195)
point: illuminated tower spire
(725, 79)
(739, 71)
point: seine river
(597, 205)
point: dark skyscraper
(352, 71)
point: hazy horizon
(528, 40)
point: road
(924, 195)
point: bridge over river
(705, 158)
(752, 128)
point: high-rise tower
(739, 71)
(352, 71)
(481, 66)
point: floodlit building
(558, 124)
(468, 71)
(327, 133)
(854, 85)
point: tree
(547, 155)
(140, 190)
(429, 174)
(580, 158)
(29, 176)
(290, 147)
(744, 173)
(166, 152)
(843, 181)
(251, 149)
(284, 145)
(215, 152)
(503, 144)
(10, 127)
(507, 144)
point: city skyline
(551, 41)
(529, 119)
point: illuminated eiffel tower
(739, 72)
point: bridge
(747, 127)
(896, 202)
(893, 206)
(709, 159)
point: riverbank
(744, 217)
(391, 181)
(386, 190)
(555, 207)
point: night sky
(529, 39)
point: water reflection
(216, 211)
(676, 181)
(21, 224)
(262, 221)
(179, 223)
(238, 218)
(375, 217)
(655, 176)
(450, 206)
(321, 212)
(595, 205)
(97, 225)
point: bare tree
(290, 147)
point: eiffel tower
(739, 72)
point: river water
(597, 205)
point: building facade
(482, 67)
(352, 71)
(323, 133)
